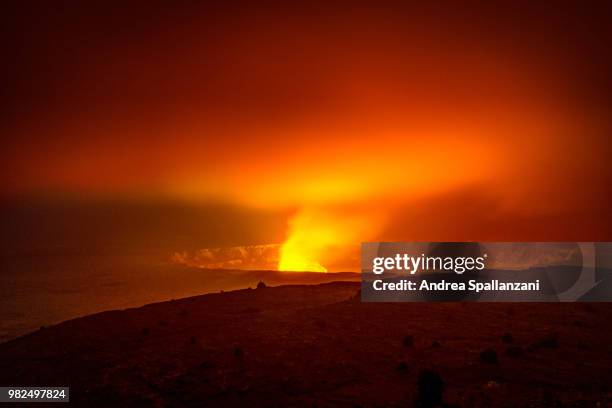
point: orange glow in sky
(364, 125)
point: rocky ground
(318, 345)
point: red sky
(341, 123)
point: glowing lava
(317, 237)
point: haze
(304, 130)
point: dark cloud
(109, 226)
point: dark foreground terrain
(320, 346)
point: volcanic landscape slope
(319, 345)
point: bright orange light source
(317, 237)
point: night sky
(175, 126)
